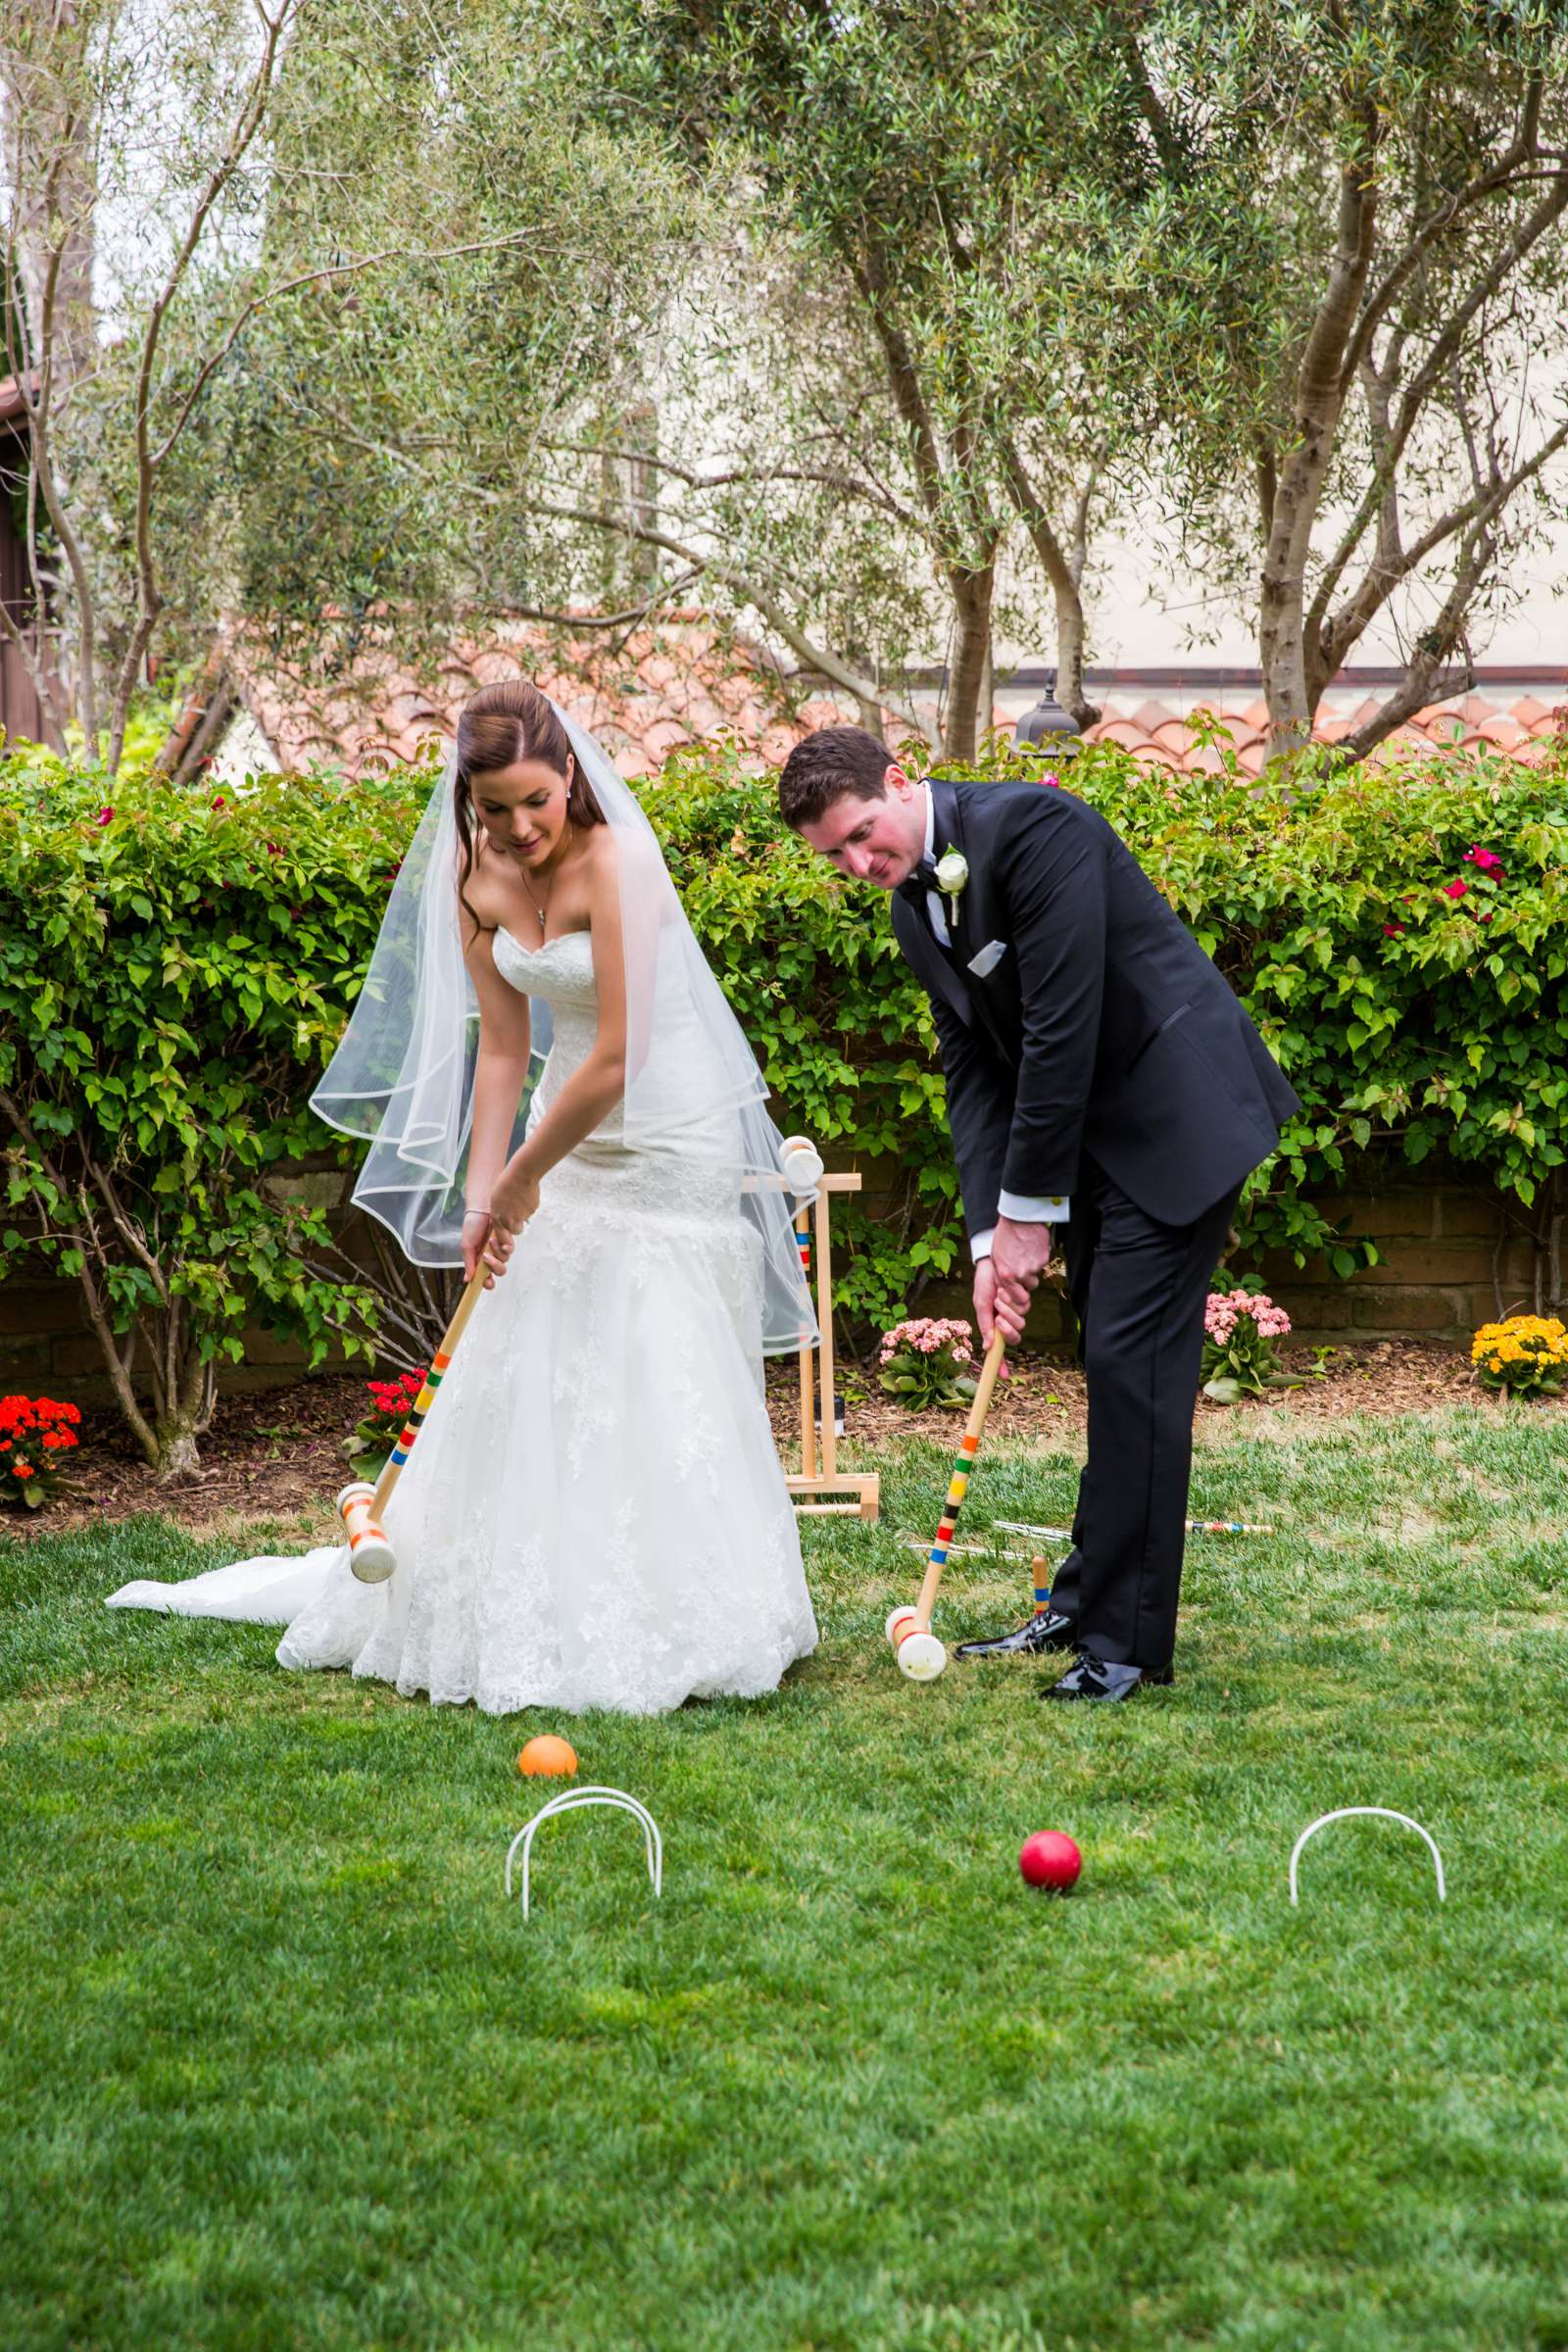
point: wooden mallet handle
(968, 1447)
(359, 1506)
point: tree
(916, 155)
(176, 484)
(1344, 272)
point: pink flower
(1054, 781)
(1455, 889)
(1393, 930)
(219, 802)
(1487, 859)
(104, 815)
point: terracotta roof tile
(684, 680)
(680, 681)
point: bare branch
(811, 656)
(248, 121)
(1494, 180)
(1481, 510)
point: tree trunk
(179, 1457)
(1071, 693)
(971, 599)
(1282, 653)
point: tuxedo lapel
(969, 914)
(939, 972)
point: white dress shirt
(1022, 1207)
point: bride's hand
(483, 1238)
(512, 1201)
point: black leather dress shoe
(1046, 1629)
(1102, 1679)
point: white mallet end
(370, 1556)
(921, 1657)
(801, 1163)
(372, 1559)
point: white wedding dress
(593, 1514)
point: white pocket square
(990, 956)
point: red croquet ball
(1049, 1858)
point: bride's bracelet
(474, 1213)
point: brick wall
(1440, 1244)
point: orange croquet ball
(553, 1758)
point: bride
(593, 1514)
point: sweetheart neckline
(581, 931)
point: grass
(283, 2069)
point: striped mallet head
(370, 1556)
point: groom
(1101, 1076)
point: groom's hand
(1019, 1252)
(997, 1307)
(1005, 1281)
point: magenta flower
(1485, 860)
(1393, 930)
(104, 815)
(219, 802)
(1455, 889)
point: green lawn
(283, 2068)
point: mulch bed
(278, 1451)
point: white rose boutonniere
(952, 872)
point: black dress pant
(1138, 1290)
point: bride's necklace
(543, 912)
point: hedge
(176, 965)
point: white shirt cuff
(1027, 1211)
(1024, 1210)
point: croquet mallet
(360, 1505)
(920, 1655)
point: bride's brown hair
(500, 725)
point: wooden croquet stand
(846, 1494)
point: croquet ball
(1049, 1858)
(548, 1755)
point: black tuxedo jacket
(1101, 1028)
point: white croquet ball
(921, 1657)
(903, 1614)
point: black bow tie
(915, 886)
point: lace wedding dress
(594, 1515)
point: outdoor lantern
(1049, 725)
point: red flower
(1487, 859)
(1484, 919)
(104, 815)
(22, 1469)
(1393, 930)
(1455, 889)
(219, 802)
